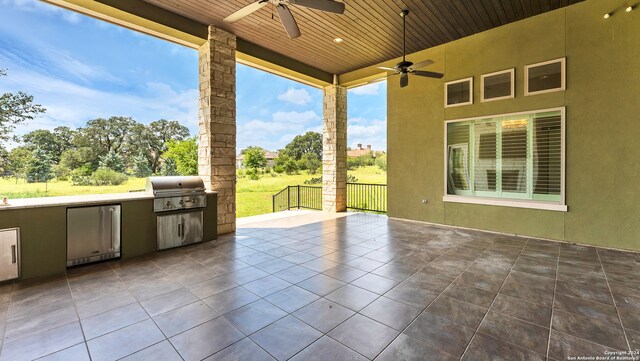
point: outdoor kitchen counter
(43, 227)
(73, 201)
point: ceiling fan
(404, 68)
(286, 18)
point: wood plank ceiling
(371, 29)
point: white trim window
(497, 86)
(546, 77)
(509, 159)
(458, 92)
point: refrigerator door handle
(112, 238)
(13, 254)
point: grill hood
(172, 186)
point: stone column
(334, 149)
(217, 123)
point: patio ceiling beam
(156, 21)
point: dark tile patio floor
(354, 286)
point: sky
(80, 68)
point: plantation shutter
(458, 176)
(514, 155)
(485, 158)
(547, 151)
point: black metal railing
(367, 197)
(297, 197)
(360, 197)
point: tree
(53, 143)
(15, 108)
(159, 133)
(4, 161)
(254, 158)
(141, 166)
(39, 167)
(113, 161)
(310, 142)
(107, 134)
(79, 157)
(311, 163)
(185, 155)
(286, 163)
(18, 161)
(169, 167)
(381, 162)
(245, 150)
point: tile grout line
(145, 311)
(615, 305)
(493, 301)
(553, 300)
(355, 312)
(75, 307)
(6, 317)
(348, 318)
(435, 299)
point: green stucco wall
(602, 124)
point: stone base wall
(334, 153)
(217, 123)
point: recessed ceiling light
(629, 9)
(338, 40)
(607, 15)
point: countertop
(73, 201)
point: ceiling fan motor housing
(403, 65)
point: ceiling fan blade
(385, 68)
(428, 74)
(404, 80)
(249, 9)
(288, 22)
(421, 64)
(329, 6)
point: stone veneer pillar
(334, 149)
(217, 123)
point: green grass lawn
(22, 189)
(253, 196)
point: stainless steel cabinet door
(93, 231)
(9, 254)
(191, 227)
(169, 231)
(179, 229)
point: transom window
(514, 157)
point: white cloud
(71, 104)
(364, 131)
(65, 62)
(356, 120)
(296, 96)
(41, 7)
(369, 89)
(274, 134)
(296, 117)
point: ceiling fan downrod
(404, 14)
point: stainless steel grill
(176, 193)
(179, 200)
